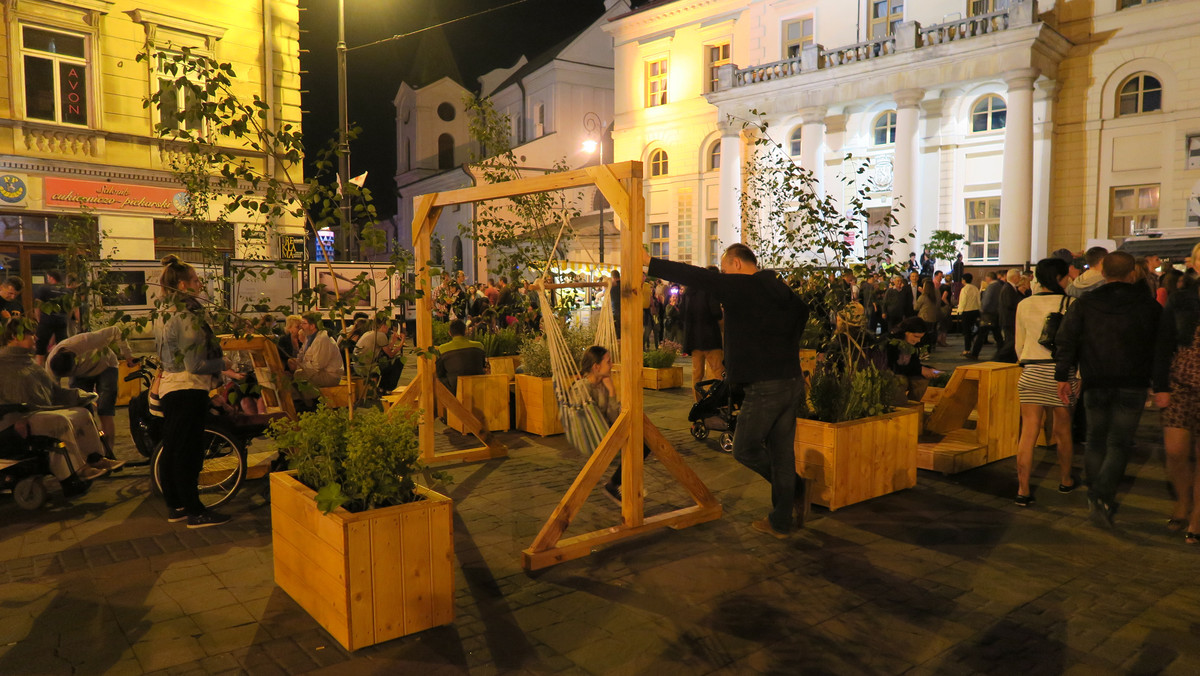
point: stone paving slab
(946, 578)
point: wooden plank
(631, 349)
(312, 589)
(417, 572)
(485, 396)
(316, 552)
(441, 547)
(361, 587)
(537, 409)
(477, 454)
(386, 577)
(674, 464)
(583, 484)
(425, 217)
(610, 186)
(580, 546)
(533, 184)
(299, 502)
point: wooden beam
(587, 479)
(425, 217)
(534, 184)
(579, 546)
(673, 463)
(610, 186)
(469, 455)
(631, 353)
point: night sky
(480, 44)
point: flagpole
(350, 248)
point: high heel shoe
(1191, 538)
(1176, 525)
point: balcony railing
(908, 36)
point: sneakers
(207, 519)
(1024, 500)
(763, 525)
(175, 515)
(612, 492)
(91, 472)
(802, 503)
(1101, 513)
(109, 464)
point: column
(729, 205)
(812, 144)
(1016, 188)
(904, 172)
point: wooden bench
(987, 389)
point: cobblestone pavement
(948, 577)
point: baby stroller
(716, 410)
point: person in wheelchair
(57, 412)
(89, 361)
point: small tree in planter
(851, 444)
(944, 245)
(357, 543)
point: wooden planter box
(662, 379)
(537, 409)
(485, 396)
(367, 577)
(506, 365)
(858, 460)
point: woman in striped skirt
(1037, 390)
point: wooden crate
(662, 379)
(338, 396)
(988, 391)
(858, 460)
(537, 409)
(367, 577)
(506, 365)
(127, 390)
(485, 396)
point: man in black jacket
(763, 323)
(1109, 333)
(1009, 298)
(897, 304)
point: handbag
(1050, 327)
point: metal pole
(602, 202)
(349, 240)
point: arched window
(714, 156)
(988, 114)
(794, 143)
(446, 111)
(1141, 93)
(658, 163)
(457, 263)
(539, 120)
(884, 129)
(445, 152)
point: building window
(1193, 153)
(1134, 209)
(656, 83)
(884, 129)
(539, 120)
(55, 68)
(795, 143)
(179, 107)
(193, 241)
(683, 225)
(977, 7)
(660, 235)
(1141, 93)
(445, 152)
(1126, 4)
(718, 55)
(983, 230)
(714, 243)
(714, 156)
(445, 110)
(988, 114)
(658, 163)
(885, 14)
(797, 35)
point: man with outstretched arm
(763, 323)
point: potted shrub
(502, 348)
(659, 371)
(850, 445)
(357, 543)
(537, 408)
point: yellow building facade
(75, 130)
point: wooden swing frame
(621, 185)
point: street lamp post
(344, 142)
(593, 124)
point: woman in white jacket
(1037, 390)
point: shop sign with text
(106, 196)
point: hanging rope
(582, 422)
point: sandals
(1024, 500)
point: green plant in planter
(441, 333)
(535, 355)
(361, 463)
(501, 343)
(663, 357)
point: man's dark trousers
(765, 441)
(1113, 414)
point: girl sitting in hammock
(595, 384)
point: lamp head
(589, 146)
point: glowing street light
(593, 124)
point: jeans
(1112, 418)
(968, 319)
(765, 441)
(183, 449)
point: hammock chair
(583, 423)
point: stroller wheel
(727, 442)
(30, 493)
(699, 431)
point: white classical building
(1023, 125)
(556, 102)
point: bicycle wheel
(222, 472)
